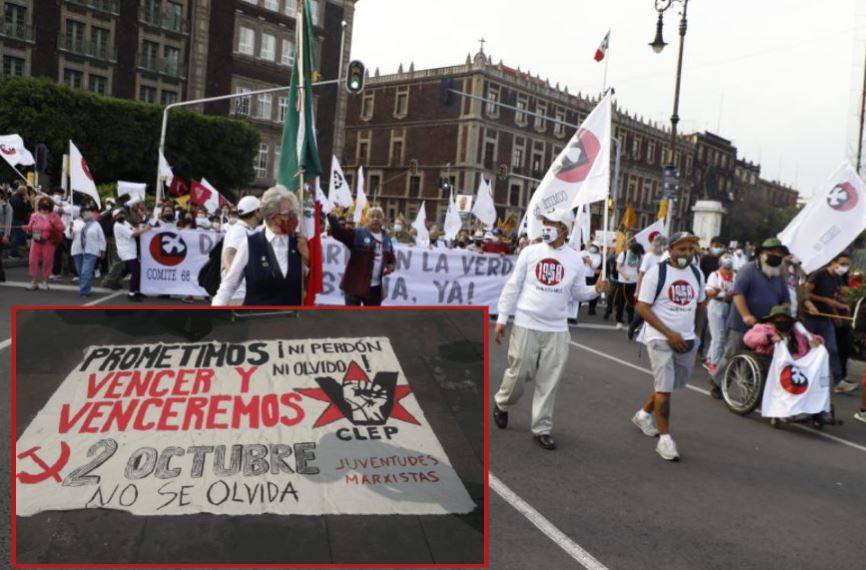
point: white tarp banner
(797, 386)
(312, 427)
(830, 222)
(135, 190)
(171, 261)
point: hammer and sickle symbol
(48, 470)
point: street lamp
(658, 45)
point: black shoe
(500, 418)
(591, 312)
(716, 392)
(545, 441)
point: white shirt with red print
(543, 282)
(676, 304)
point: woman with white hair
(272, 262)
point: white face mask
(549, 234)
(398, 227)
(682, 262)
(842, 270)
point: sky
(780, 78)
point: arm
(346, 236)
(233, 276)
(581, 292)
(510, 293)
(390, 261)
(829, 301)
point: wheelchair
(743, 389)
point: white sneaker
(646, 425)
(619, 326)
(32, 286)
(75, 279)
(844, 387)
(667, 449)
(44, 286)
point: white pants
(539, 356)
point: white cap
(248, 205)
(562, 216)
(115, 212)
(134, 201)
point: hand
(811, 308)
(775, 337)
(303, 248)
(677, 342)
(499, 333)
(601, 285)
(816, 341)
(366, 400)
(389, 269)
(750, 320)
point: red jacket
(362, 254)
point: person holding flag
(546, 277)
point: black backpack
(209, 275)
(663, 275)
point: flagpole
(301, 21)
(606, 59)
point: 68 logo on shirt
(681, 292)
(549, 272)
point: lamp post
(658, 44)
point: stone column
(708, 220)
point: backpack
(663, 276)
(209, 275)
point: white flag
(135, 190)
(797, 386)
(212, 203)
(165, 171)
(360, 198)
(582, 227)
(80, 178)
(646, 236)
(581, 172)
(339, 193)
(831, 221)
(12, 150)
(327, 206)
(420, 225)
(484, 209)
(453, 223)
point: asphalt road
(441, 352)
(744, 495)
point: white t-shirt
(724, 286)
(125, 241)
(378, 256)
(628, 273)
(649, 259)
(543, 282)
(676, 304)
(236, 234)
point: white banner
(797, 386)
(13, 151)
(426, 276)
(171, 261)
(312, 427)
(830, 222)
(647, 235)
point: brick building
(162, 51)
(407, 140)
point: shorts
(671, 370)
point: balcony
(79, 46)
(161, 65)
(107, 6)
(15, 31)
(162, 20)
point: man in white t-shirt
(627, 268)
(249, 220)
(669, 300)
(546, 277)
(656, 254)
(125, 238)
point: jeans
(623, 295)
(85, 264)
(827, 330)
(17, 237)
(717, 315)
(733, 344)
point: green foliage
(753, 218)
(120, 138)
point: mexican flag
(299, 151)
(602, 49)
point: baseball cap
(116, 212)
(562, 216)
(248, 205)
(683, 236)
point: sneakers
(710, 367)
(844, 387)
(667, 449)
(44, 285)
(645, 424)
(32, 286)
(619, 326)
(500, 418)
(860, 416)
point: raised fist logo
(843, 197)
(794, 381)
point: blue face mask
(717, 251)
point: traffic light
(413, 166)
(41, 158)
(355, 77)
(502, 172)
(670, 181)
(447, 97)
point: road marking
(596, 327)
(573, 549)
(831, 437)
(54, 287)
(5, 343)
(101, 299)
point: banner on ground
(797, 386)
(171, 261)
(426, 276)
(312, 427)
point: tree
(753, 218)
(120, 138)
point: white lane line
(596, 327)
(5, 343)
(573, 549)
(53, 286)
(101, 299)
(831, 437)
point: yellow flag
(663, 210)
(629, 220)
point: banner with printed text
(171, 261)
(317, 426)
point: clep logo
(681, 293)
(7, 150)
(549, 272)
(793, 380)
(168, 248)
(577, 159)
(359, 400)
(85, 168)
(843, 197)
